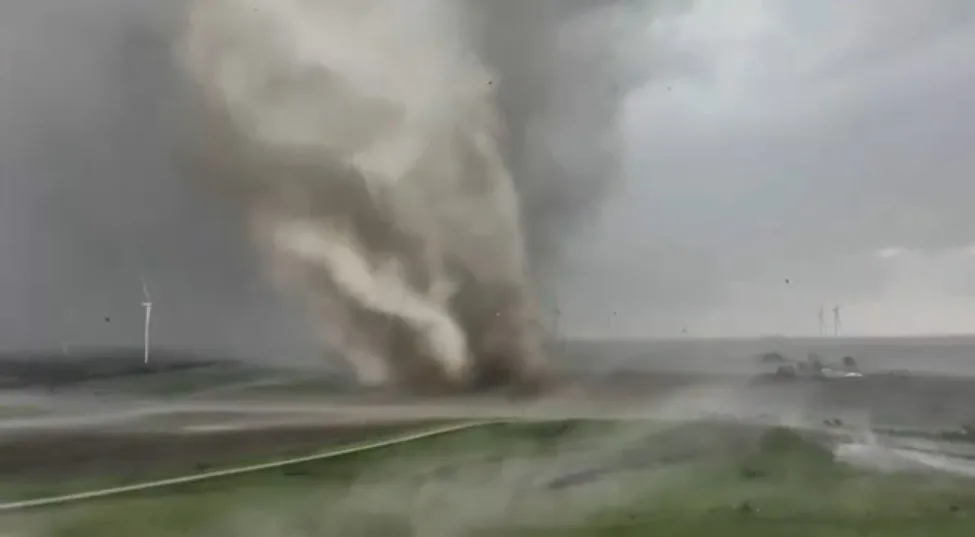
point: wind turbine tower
(836, 321)
(822, 321)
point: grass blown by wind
(565, 478)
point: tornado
(410, 168)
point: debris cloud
(411, 167)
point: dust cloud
(412, 168)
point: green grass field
(21, 411)
(567, 478)
(174, 383)
(108, 462)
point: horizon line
(689, 337)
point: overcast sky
(786, 155)
(93, 204)
(790, 155)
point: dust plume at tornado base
(411, 168)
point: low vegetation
(578, 478)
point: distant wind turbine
(836, 320)
(822, 321)
(147, 305)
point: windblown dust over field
(411, 167)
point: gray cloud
(799, 138)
